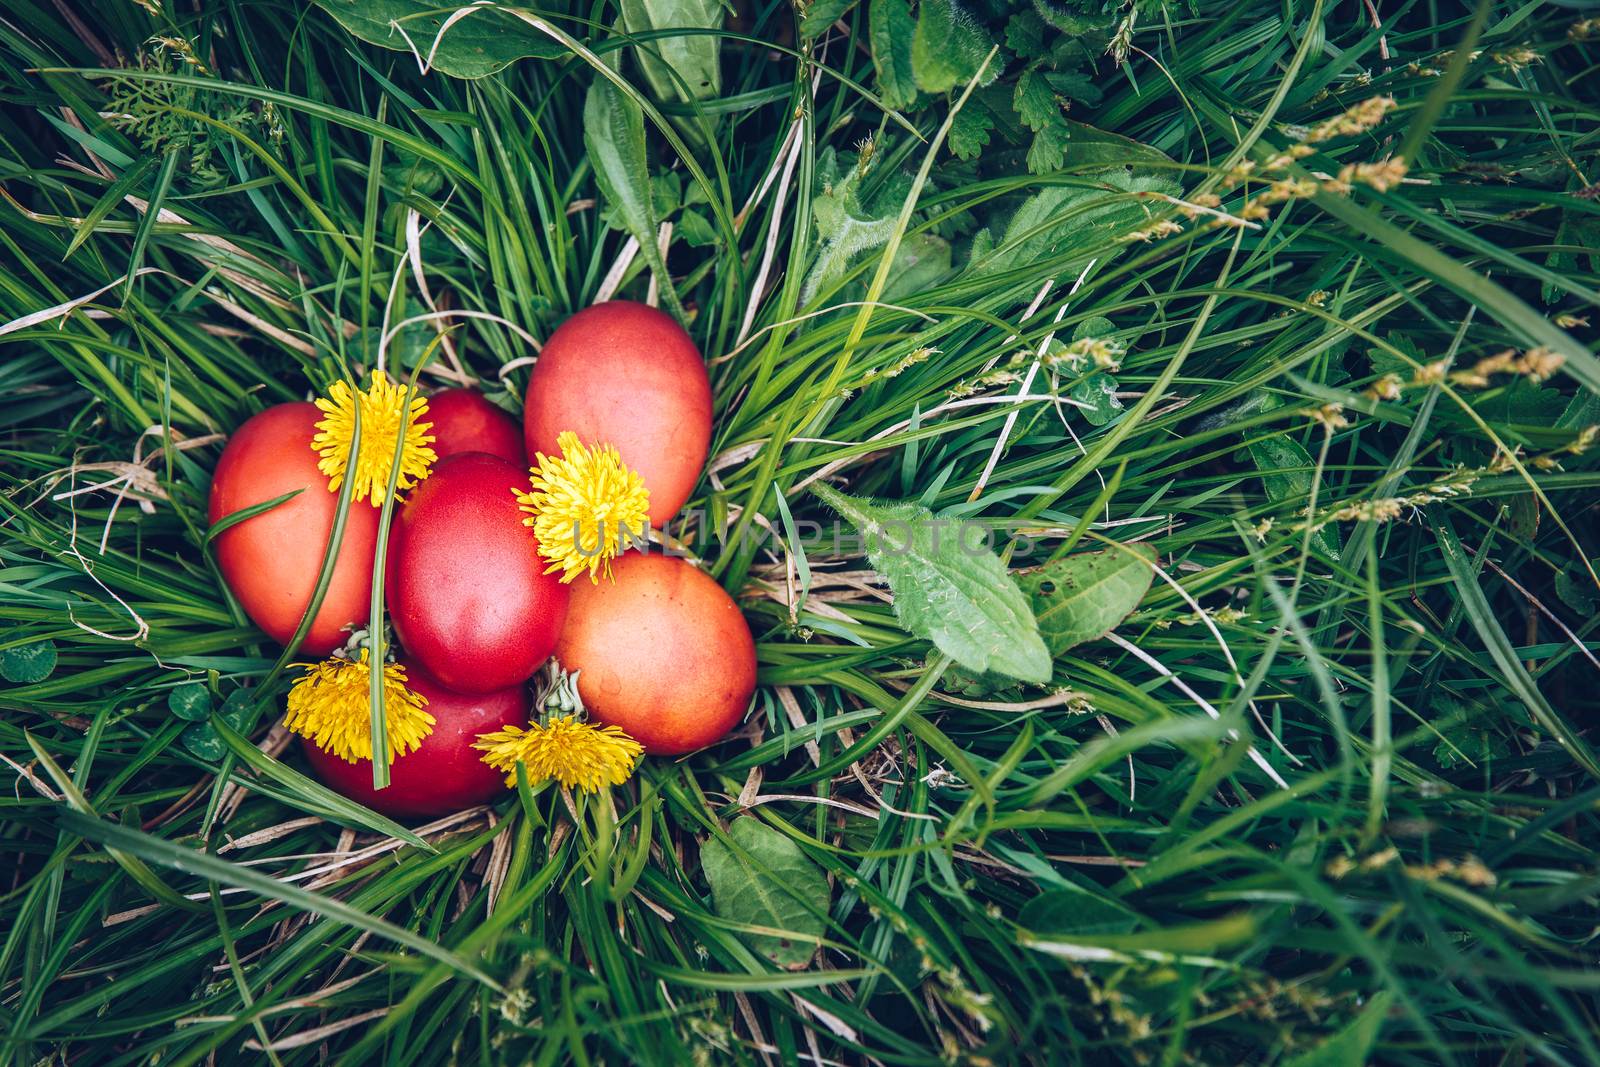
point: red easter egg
(464, 420)
(271, 560)
(470, 600)
(444, 774)
(662, 652)
(626, 375)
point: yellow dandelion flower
(584, 506)
(384, 417)
(329, 706)
(573, 753)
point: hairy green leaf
(921, 261)
(845, 227)
(949, 47)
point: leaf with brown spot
(1081, 598)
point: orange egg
(626, 375)
(662, 652)
(271, 560)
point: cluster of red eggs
(659, 649)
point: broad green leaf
(1522, 516)
(820, 14)
(969, 132)
(1025, 34)
(696, 230)
(1575, 594)
(1075, 86)
(1091, 145)
(1351, 1046)
(1035, 101)
(1061, 219)
(694, 57)
(1099, 391)
(666, 193)
(1083, 597)
(973, 684)
(474, 46)
(1076, 911)
(892, 29)
(947, 588)
(1048, 150)
(1583, 410)
(1386, 362)
(982, 246)
(948, 47)
(240, 709)
(191, 702)
(768, 881)
(921, 261)
(613, 132)
(1097, 326)
(202, 739)
(1476, 740)
(1519, 401)
(1287, 470)
(30, 663)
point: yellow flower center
(385, 418)
(573, 753)
(330, 707)
(584, 506)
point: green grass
(1094, 871)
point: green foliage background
(1325, 796)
